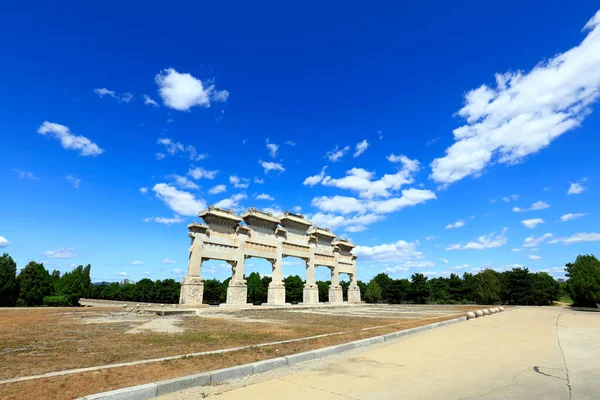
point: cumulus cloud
(125, 97)
(533, 257)
(232, 202)
(136, 262)
(457, 224)
(238, 183)
(182, 91)
(337, 153)
(217, 189)
(65, 252)
(363, 182)
(444, 260)
(149, 101)
(535, 242)
(575, 188)
(315, 179)
(168, 261)
(572, 216)
(183, 182)
(166, 221)
(271, 166)
(361, 147)
(201, 173)
(4, 242)
(532, 223)
(183, 203)
(143, 190)
(538, 205)
(273, 149)
(576, 238)
(173, 148)
(73, 181)
(68, 140)
(122, 273)
(483, 242)
(264, 196)
(525, 112)
(403, 254)
(352, 224)
(348, 205)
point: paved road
(528, 353)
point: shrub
(58, 301)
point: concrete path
(528, 353)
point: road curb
(152, 390)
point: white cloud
(160, 156)
(516, 250)
(430, 237)
(575, 188)
(25, 174)
(361, 147)
(122, 273)
(525, 112)
(444, 260)
(264, 196)
(166, 221)
(231, 202)
(143, 190)
(483, 242)
(271, 166)
(510, 198)
(275, 210)
(578, 237)
(404, 255)
(173, 148)
(538, 205)
(258, 180)
(315, 179)
(67, 252)
(3, 242)
(347, 205)
(341, 204)
(238, 183)
(73, 181)
(168, 261)
(68, 140)
(407, 163)
(200, 173)
(136, 262)
(532, 223)
(333, 221)
(572, 216)
(217, 189)
(181, 202)
(183, 91)
(459, 267)
(533, 257)
(177, 271)
(290, 143)
(149, 101)
(125, 97)
(273, 149)
(361, 180)
(183, 182)
(337, 153)
(535, 242)
(457, 224)
(297, 209)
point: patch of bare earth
(37, 341)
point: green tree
(455, 287)
(584, 280)
(345, 285)
(469, 286)
(257, 294)
(544, 289)
(516, 286)
(323, 291)
(373, 294)
(487, 287)
(439, 290)
(144, 290)
(294, 286)
(419, 288)
(399, 291)
(384, 282)
(363, 288)
(35, 283)
(9, 287)
(213, 291)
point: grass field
(37, 341)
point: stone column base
(192, 291)
(237, 294)
(335, 294)
(276, 295)
(310, 294)
(353, 294)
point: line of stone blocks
(186, 382)
(227, 374)
(300, 357)
(140, 392)
(267, 365)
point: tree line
(35, 286)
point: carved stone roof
(297, 218)
(343, 243)
(266, 216)
(219, 212)
(197, 227)
(321, 232)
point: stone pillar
(192, 291)
(237, 291)
(310, 293)
(276, 291)
(353, 290)
(335, 290)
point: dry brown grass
(54, 341)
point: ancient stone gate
(269, 237)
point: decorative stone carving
(192, 290)
(336, 295)
(354, 294)
(276, 294)
(310, 294)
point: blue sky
(446, 137)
